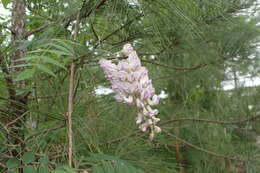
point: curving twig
(174, 67)
(40, 28)
(210, 152)
(44, 131)
(211, 121)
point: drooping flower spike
(132, 86)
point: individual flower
(132, 86)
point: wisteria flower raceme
(132, 86)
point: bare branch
(9, 81)
(15, 120)
(117, 30)
(211, 121)
(136, 133)
(209, 152)
(174, 67)
(36, 30)
(44, 131)
(71, 100)
(94, 32)
(6, 27)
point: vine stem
(71, 100)
(70, 110)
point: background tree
(190, 48)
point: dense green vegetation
(189, 46)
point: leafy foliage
(190, 48)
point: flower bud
(157, 129)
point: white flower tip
(129, 99)
(156, 120)
(127, 49)
(138, 121)
(139, 118)
(157, 129)
(150, 122)
(151, 137)
(143, 127)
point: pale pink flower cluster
(132, 85)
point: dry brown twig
(211, 121)
(71, 100)
(44, 131)
(210, 152)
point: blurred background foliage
(190, 48)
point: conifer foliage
(58, 115)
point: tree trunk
(17, 102)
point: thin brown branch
(117, 30)
(209, 152)
(36, 12)
(83, 12)
(130, 38)
(50, 96)
(94, 32)
(8, 79)
(92, 9)
(174, 67)
(2, 165)
(211, 121)
(71, 101)
(36, 30)
(70, 110)
(15, 120)
(159, 64)
(44, 131)
(136, 133)
(6, 27)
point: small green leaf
(27, 58)
(5, 3)
(29, 169)
(61, 48)
(98, 169)
(44, 160)
(53, 61)
(59, 171)
(42, 51)
(26, 74)
(45, 69)
(57, 52)
(64, 43)
(43, 169)
(28, 157)
(13, 171)
(12, 163)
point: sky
(227, 85)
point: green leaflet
(29, 169)
(26, 74)
(5, 3)
(12, 163)
(103, 163)
(45, 69)
(53, 61)
(28, 157)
